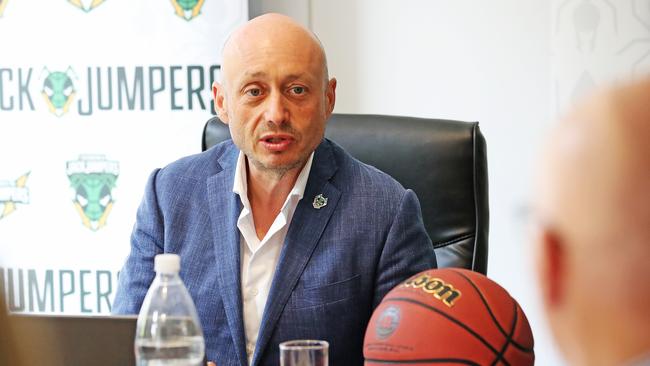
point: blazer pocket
(323, 295)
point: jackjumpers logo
(58, 90)
(3, 4)
(187, 9)
(92, 179)
(12, 193)
(87, 90)
(86, 5)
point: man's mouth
(277, 142)
(274, 140)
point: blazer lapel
(224, 211)
(305, 230)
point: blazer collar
(303, 235)
(224, 206)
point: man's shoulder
(353, 174)
(202, 165)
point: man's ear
(330, 95)
(220, 103)
(552, 269)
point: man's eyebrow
(261, 74)
(247, 76)
(292, 77)
(255, 74)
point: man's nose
(276, 110)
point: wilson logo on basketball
(436, 287)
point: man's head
(275, 94)
(593, 237)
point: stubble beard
(277, 172)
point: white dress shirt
(260, 257)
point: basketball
(448, 316)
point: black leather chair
(443, 161)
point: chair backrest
(443, 161)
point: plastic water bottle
(168, 332)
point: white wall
(512, 65)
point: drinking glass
(304, 352)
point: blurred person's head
(593, 237)
(275, 93)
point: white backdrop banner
(94, 94)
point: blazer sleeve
(407, 250)
(146, 242)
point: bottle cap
(167, 263)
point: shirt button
(254, 292)
(250, 348)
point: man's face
(276, 101)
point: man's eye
(254, 92)
(298, 90)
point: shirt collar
(240, 185)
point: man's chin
(280, 166)
(285, 167)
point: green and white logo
(3, 4)
(92, 179)
(12, 193)
(188, 9)
(58, 90)
(86, 5)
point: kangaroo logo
(92, 179)
(86, 5)
(12, 193)
(58, 90)
(187, 9)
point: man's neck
(267, 192)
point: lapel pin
(320, 201)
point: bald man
(593, 240)
(282, 234)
